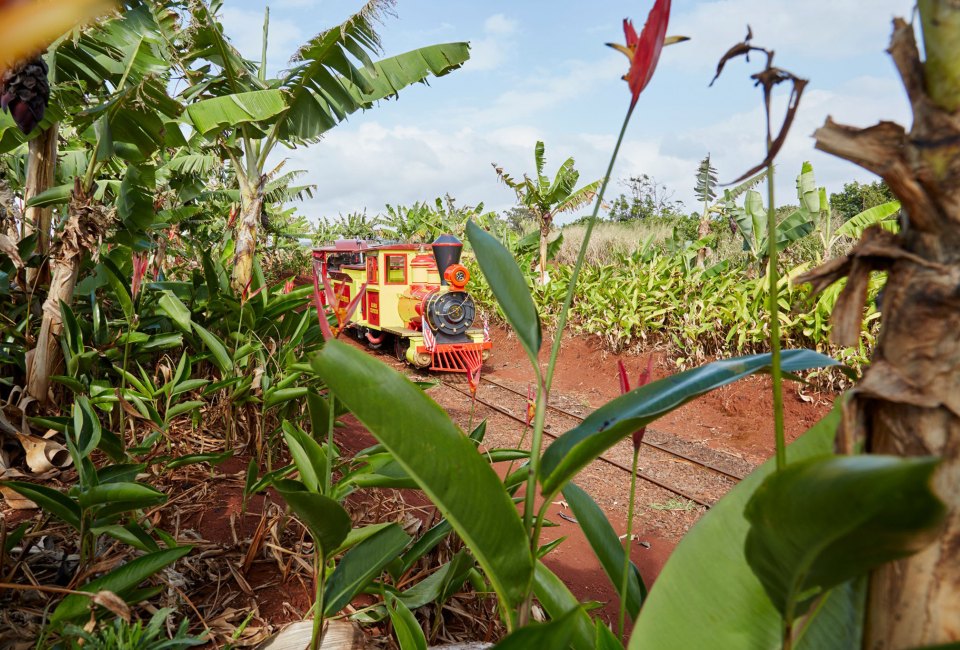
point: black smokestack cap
(446, 250)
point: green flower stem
(774, 308)
(564, 311)
(544, 388)
(543, 384)
(533, 468)
(328, 469)
(627, 544)
(319, 567)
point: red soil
(735, 419)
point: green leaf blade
(362, 564)
(509, 286)
(418, 432)
(824, 521)
(707, 596)
(620, 417)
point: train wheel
(400, 348)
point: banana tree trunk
(251, 207)
(702, 231)
(86, 225)
(908, 402)
(544, 239)
(10, 215)
(41, 170)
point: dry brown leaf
(9, 247)
(44, 455)
(15, 501)
(111, 601)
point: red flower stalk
(288, 286)
(644, 51)
(140, 263)
(642, 380)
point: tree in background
(647, 198)
(546, 199)
(857, 197)
(247, 115)
(706, 192)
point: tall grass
(611, 240)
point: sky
(539, 70)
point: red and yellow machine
(414, 298)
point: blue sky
(540, 70)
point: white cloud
(533, 95)
(499, 25)
(497, 45)
(369, 165)
(814, 30)
(736, 142)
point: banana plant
(884, 215)
(751, 219)
(247, 115)
(104, 501)
(111, 89)
(546, 199)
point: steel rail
(644, 477)
(649, 443)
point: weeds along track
(687, 470)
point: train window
(372, 270)
(396, 269)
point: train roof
(363, 245)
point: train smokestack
(446, 251)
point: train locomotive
(414, 299)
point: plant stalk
(581, 255)
(328, 470)
(627, 545)
(319, 566)
(543, 384)
(774, 309)
(533, 468)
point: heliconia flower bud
(642, 380)
(141, 262)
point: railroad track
(659, 456)
(713, 480)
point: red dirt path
(736, 419)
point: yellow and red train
(408, 296)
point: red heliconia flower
(642, 380)
(140, 263)
(232, 219)
(288, 286)
(644, 51)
